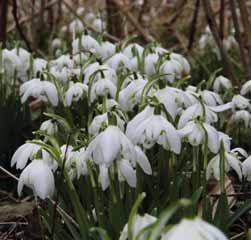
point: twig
(193, 25)
(179, 9)
(147, 37)
(236, 23)
(213, 27)
(87, 25)
(14, 12)
(9, 173)
(28, 18)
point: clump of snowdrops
(123, 124)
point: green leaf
(103, 234)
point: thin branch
(86, 24)
(193, 25)
(236, 23)
(222, 18)
(147, 37)
(14, 12)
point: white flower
(242, 116)
(221, 83)
(196, 134)
(39, 65)
(147, 129)
(56, 43)
(76, 26)
(131, 95)
(133, 50)
(64, 61)
(112, 145)
(23, 154)
(75, 92)
(193, 229)
(195, 111)
(150, 62)
(240, 102)
(39, 177)
(246, 168)
(61, 74)
(102, 120)
(106, 50)
(226, 140)
(99, 25)
(49, 127)
(246, 88)
(138, 224)
(102, 87)
(231, 161)
(240, 153)
(119, 60)
(10, 62)
(173, 70)
(79, 58)
(211, 98)
(49, 160)
(88, 43)
(89, 17)
(183, 62)
(43, 90)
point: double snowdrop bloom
(118, 61)
(147, 128)
(56, 43)
(42, 90)
(112, 145)
(23, 154)
(39, 177)
(75, 92)
(76, 26)
(86, 43)
(240, 102)
(183, 62)
(101, 121)
(231, 162)
(226, 140)
(221, 83)
(172, 70)
(138, 224)
(193, 229)
(196, 134)
(99, 25)
(39, 65)
(211, 98)
(61, 62)
(246, 168)
(49, 126)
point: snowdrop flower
(242, 116)
(131, 95)
(193, 229)
(146, 128)
(160, 50)
(23, 154)
(39, 177)
(10, 62)
(240, 153)
(196, 134)
(101, 121)
(211, 98)
(195, 111)
(118, 60)
(100, 71)
(183, 62)
(169, 102)
(62, 75)
(150, 62)
(80, 58)
(172, 69)
(49, 160)
(64, 61)
(39, 65)
(112, 145)
(246, 88)
(221, 83)
(89, 17)
(75, 92)
(106, 49)
(138, 223)
(230, 42)
(246, 168)
(56, 43)
(89, 43)
(240, 102)
(133, 50)
(49, 126)
(43, 90)
(226, 140)
(231, 162)
(76, 26)
(80, 10)
(102, 87)
(99, 25)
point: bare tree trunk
(3, 20)
(114, 19)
